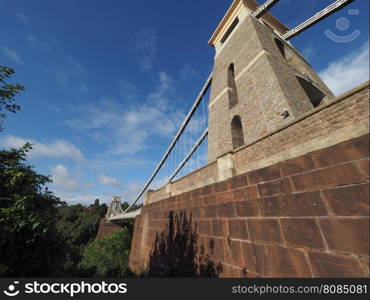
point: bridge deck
(125, 216)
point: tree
(76, 226)
(29, 244)
(100, 209)
(7, 93)
(108, 257)
(40, 235)
(126, 205)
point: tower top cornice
(245, 6)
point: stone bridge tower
(286, 190)
(259, 83)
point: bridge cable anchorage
(264, 8)
(327, 11)
(187, 157)
(175, 140)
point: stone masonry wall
(266, 85)
(304, 217)
(201, 177)
(106, 228)
(320, 123)
(343, 111)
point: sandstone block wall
(339, 119)
(315, 129)
(106, 228)
(304, 217)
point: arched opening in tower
(231, 84)
(237, 132)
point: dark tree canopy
(28, 242)
(7, 93)
(77, 226)
(41, 236)
(108, 257)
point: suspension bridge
(188, 150)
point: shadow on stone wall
(176, 252)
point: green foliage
(28, 242)
(108, 257)
(77, 226)
(7, 93)
(125, 205)
(40, 236)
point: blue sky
(109, 82)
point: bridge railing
(186, 153)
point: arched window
(281, 47)
(237, 132)
(312, 92)
(231, 85)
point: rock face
(106, 228)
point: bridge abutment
(298, 209)
(285, 192)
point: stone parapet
(303, 217)
(340, 119)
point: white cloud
(308, 53)
(347, 72)
(81, 89)
(22, 17)
(83, 198)
(54, 149)
(128, 90)
(12, 55)
(110, 181)
(62, 78)
(70, 188)
(131, 191)
(105, 162)
(45, 45)
(4, 9)
(145, 44)
(87, 197)
(3, 38)
(74, 66)
(68, 75)
(132, 129)
(187, 72)
(32, 40)
(62, 178)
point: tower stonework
(259, 83)
(286, 189)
